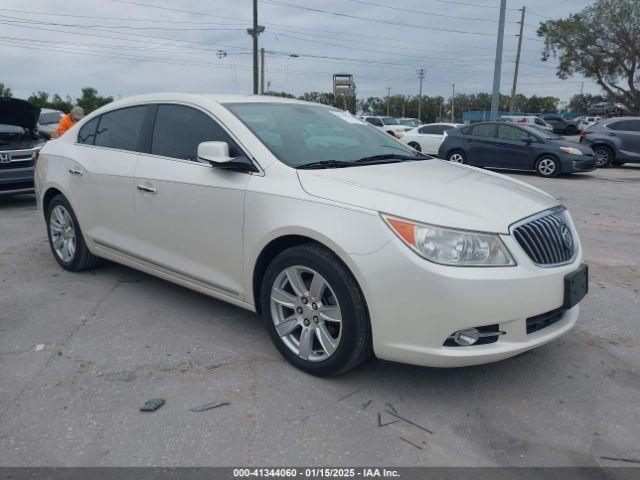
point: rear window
(121, 128)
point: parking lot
(80, 353)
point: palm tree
(5, 91)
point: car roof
(616, 119)
(203, 96)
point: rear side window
(87, 133)
(432, 130)
(626, 125)
(179, 130)
(121, 128)
(488, 131)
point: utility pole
(497, 71)
(388, 98)
(254, 32)
(421, 74)
(262, 71)
(512, 103)
(453, 103)
(581, 89)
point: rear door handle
(75, 171)
(146, 189)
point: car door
(430, 138)
(480, 144)
(101, 176)
(514, 148)
(189, 214)
(628, 132)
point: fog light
(466, 337)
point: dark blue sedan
(515, 147)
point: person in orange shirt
(66, 122)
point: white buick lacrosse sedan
(348, 242)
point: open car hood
(20, 113)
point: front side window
(507, 132)
(121, 128)
(178, 131)
(375, 121)
(539, 121)
(390, 121)
(486, 130)
(299, 134)
(87, 133)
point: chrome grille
(547, 238)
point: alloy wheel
(456, 158)
(63, 233)
(602, 157)
(306, 313)
(547, 167)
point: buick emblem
(5, 157)
(567, 239)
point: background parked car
(615, 141)
(515, 146)
(19, 144)
(48, 121)
(427, 138)
(561, 124)
(387, 124)
(528, 120)
(586, 122)
(607, 109)
(410, 122)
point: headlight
(571, 150)
(448, 246)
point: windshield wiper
(388, 158)
(325, 164)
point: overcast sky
(130, 47)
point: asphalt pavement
(80, 353)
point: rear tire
(548, 166)
(65, 237)
(304, 291)
(457, 156)
(604, 156)
(415, 146)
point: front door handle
(75, 171)
(146, 189)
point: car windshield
(411, 122)
(10, 129)
(301, 134)
(49, 118)
(540, 132)
(390, 121)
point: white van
(529, 120)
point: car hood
(431, 191)
(18, 112)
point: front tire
(65, 237)
(415, 146)
(548, 166)
(314, 311)
(604, 156)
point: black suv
(20, 143)
(615, 141)
(561, 124)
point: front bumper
(16, 180)
(577, 163)
(415, 305)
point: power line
(369, 19)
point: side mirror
(214, 152)
(217, 154)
